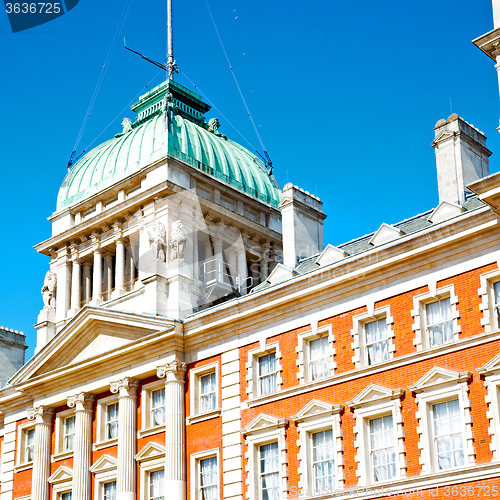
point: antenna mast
(171, 63)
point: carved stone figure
(177, 241)
(126, 125)
(213, 125)
(159, 241)
(49, 290)
(171, 104)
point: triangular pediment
(491, 366)
(105, 463)
(150, 452)
(92, 333)
(374, 393)
(443, 135)
(61, 475)
(316, 408)
(384, 234)
(445, 210)
(263, 422)
(439, 376)
(330, 254)
(280, 273)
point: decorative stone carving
(213, 125)
(126, 125)
(175, 367)
(171, 104)
(127, 383)
(84, 398)
(177, 241)
(49, 290)
(158, 241)
(44, 412)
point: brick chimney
(461, 157)
(302, 219)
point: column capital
(124, 387)
(96, 241)
(174, 371)
(41, 414)
(81, 401)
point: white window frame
(253, 369)
(491, 373)
(147, 429)
(358, 332)
(60, 419)
(151, 459)
(195, 459)
(303, 352)
(317, 416)
(103, 489)
(101, 416)
(421, 340)
(195, 375)
(437, 386)
(265, 429)
(105, 470)
(374, 402)
(61, 481)
(487, 305)
(22, 431)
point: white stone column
(76, 289)
(97, 278)
(87, 281)
(108, 275)
(175, 429)
(127, 436)
(41, 453)
(119, 268)
(242, 269)
(82, 455)
(131, 273)
(63, 270)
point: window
(156, 480)
(204, 392)
(382, 450)
(377, 341)
(448, 438)
(267, 374)
(158, 407)
(208, 392)
(323, 461)
(69, 433)
(269, 475)
(439, 322)
(66, 496)
(209, 479)
(496, 303)
(30, 445)
(445, 424)
(319, 358)
(315, 353)
(109, 491)
(112, 421)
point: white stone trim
(195, 459)
(438, 386)
(272, 431)
(375, 402)
(421, 342)
(21, 464)
(105, 471)
(8, 457)
(146, 428)
(317, 416)
(487, 302)
(59, 435)
(195, 375)
(253, 355)
(62, 482)
(360, 357)
(101, 406)
(151, 459)
(302, 350)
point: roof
(189, 139)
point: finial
(171, 63)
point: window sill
(149, 431)
(61, 456)
(203, 416)
(21, 467)
(105, 444)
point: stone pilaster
(63, 270)
(127, 397)
(42, 415)
(86, 284)
(76, 289)
(82, 455)
(119, 261)
(97, 279)
(175, 429)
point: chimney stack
(302, 219)
(461, 157)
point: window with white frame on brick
(25, 445)
(323, 461)
(382, 448)
(68, 433)
(68, 495)
(208, 392)
(205, 475)
(111, 430)
(267, 374)
(107, 412)
(445, 424)
(153, 408)
(490, 304)
(151, 460)
(109, 490)
(315, 355)
(439, 322)
(269, 471)
(264, 370)
(157, 407)
(319, 358)
(29, 445)
(156, 480)
(377, 341)
(204, 392)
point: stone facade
(12, 348)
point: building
(199, 341)
(12, 348)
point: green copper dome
(190, 140)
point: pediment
(445, 210)
(491, 366)
(150, 452)
(316, 408)
(330, 254)
(62, 474)
(280, 273)
(374, 393)
(89, 334)
(105, 463)
(384, 234)
(443, 135)
(263, 422)
(439, 376)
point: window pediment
(445, 210)
(280, 273)
(330, 254)
(151, 451)
(264, 422)
(491, 366)
(374, 393)
(316, 408)
(61, 475)
(384, 234)
(104, 464)
(437, 377)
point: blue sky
(345, 96)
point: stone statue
(159, 240)
(171, 104)
(177, 241)
(213, 125)
(49, 290)
(126, 125)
